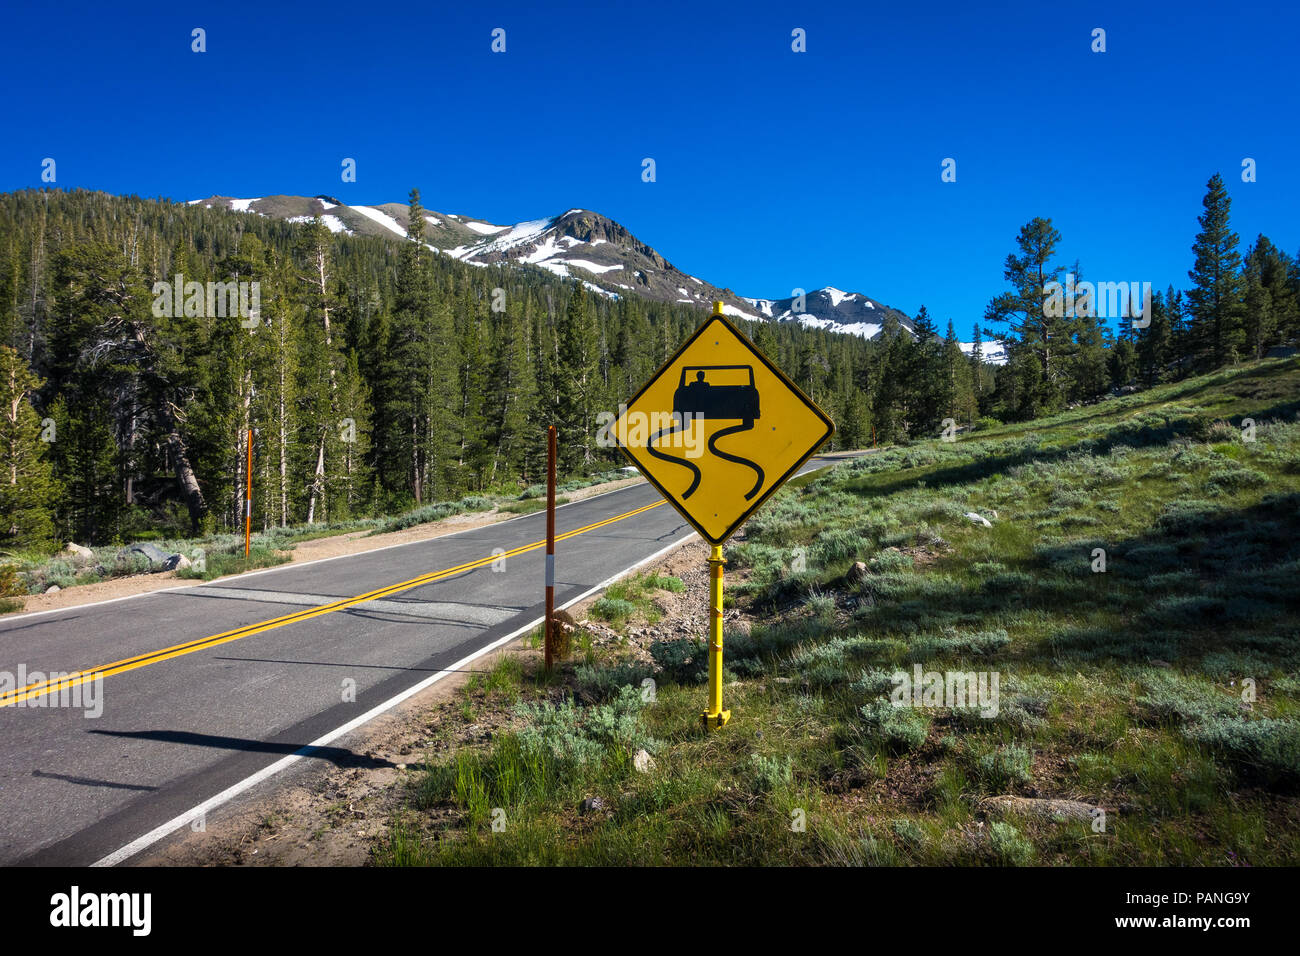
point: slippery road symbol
(711, 389)
(703, 400)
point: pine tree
(511, 394)
(414, 437)
(347, 489)
(890, 406)
(577, 392)
(1084, 353)
(1270, 308)
(1155, 344)
(957, 376)
(85, 460)
(286, 397)
(26, 485)
(322, 358)
(1182, 344)
(929, 389)
(471, 373)
(977, 368)
(1215, 300)
(1122, 364)
(1038, 331)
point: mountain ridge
(591, 248)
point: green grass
(632, 598)
(218, 564)
(1164, 688)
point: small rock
(859, 571)
(643, 762)
(1159, 663)
(978, 519)
(53, 589)
(591, 805)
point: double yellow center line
(167, 653)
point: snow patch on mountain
(594, 267)
(728, 309)
(994, 352)
(546, 250)
(385, 220)
(332, 223)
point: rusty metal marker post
(719, 387)
(550, 546)
(248, 500)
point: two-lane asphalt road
(205, 687)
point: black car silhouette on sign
(702, 397)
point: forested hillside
(380, 374)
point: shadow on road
(339, 756)
(91, 781)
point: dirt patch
(352, 542)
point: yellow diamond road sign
(719, 428)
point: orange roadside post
(248, 499)
(550, 546)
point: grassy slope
(1122, 688)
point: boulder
(176, 562)
(858, 572)
(155, 555)
(79, 554)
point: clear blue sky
(775, 169)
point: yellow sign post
(718, 430)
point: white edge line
(174, 824)
(291, 565)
